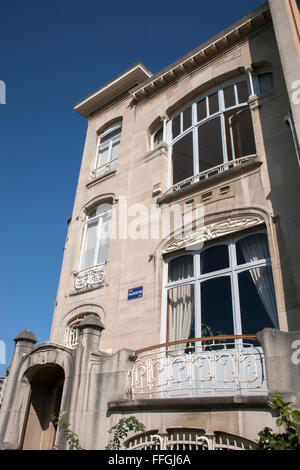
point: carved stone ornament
(210, 232)
(90, 277)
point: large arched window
(214, 129)
(96, 236)
(224, 289)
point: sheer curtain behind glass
(254, 248)
(180, 300)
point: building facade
(179, 300)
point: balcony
(210, 176)
(200, 367)
(105, 169)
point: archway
(45, 398)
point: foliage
(121, 430)
(289, 439)
(70, 436)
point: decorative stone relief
(89, 278)
(215, 230)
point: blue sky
(52, 55)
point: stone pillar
(282, 359)
(90, 333)
(12, 412)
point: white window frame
(90, 220)
(195, 123)
(102, 169)
(233, 271)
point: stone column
(282, 359)
(12, 413)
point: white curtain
(180, 313)
(254, 248)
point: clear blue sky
(53, 54)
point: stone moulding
(215, 230)
(89, 278)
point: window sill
(185, 187)
(225, 402)
(101, 178)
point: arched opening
(45, 399)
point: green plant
(288, 419)
(121, 430)
(70, 436)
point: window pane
(229, 96)
(187, 118)
(90, 244)
(158, 137)
(176, 126)
(252, 248)
(115, 150)
(111, 135)
(103, 208)
(181, 268)
(103, 155)
(104, 240)
(257, 300)
(216, 307)
(265, 82)
(243, 92)
(243, 135)
(213, 102)
(180, 319)
(201, 109)
(210, 144)
(214, 258)
(183, 166)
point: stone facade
(99, 333)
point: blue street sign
(135, 293)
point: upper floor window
(107, 150)
(224, 289)
(265, 82)
(157, 137)
(214, 129)
(96, 236)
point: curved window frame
(232, 271)
(103, 168)
(195, 123)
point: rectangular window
(183, 166)
(210, 144)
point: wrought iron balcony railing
(208, 366)
(204, 175)
(104, 169)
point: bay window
(214, 129)
(224, 289)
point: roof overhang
(205, 52)
(114, 89)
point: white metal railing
(188, 439)
(216, 170)
(103, 169)
(2, 388)
(224, 365)
(89, 277)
